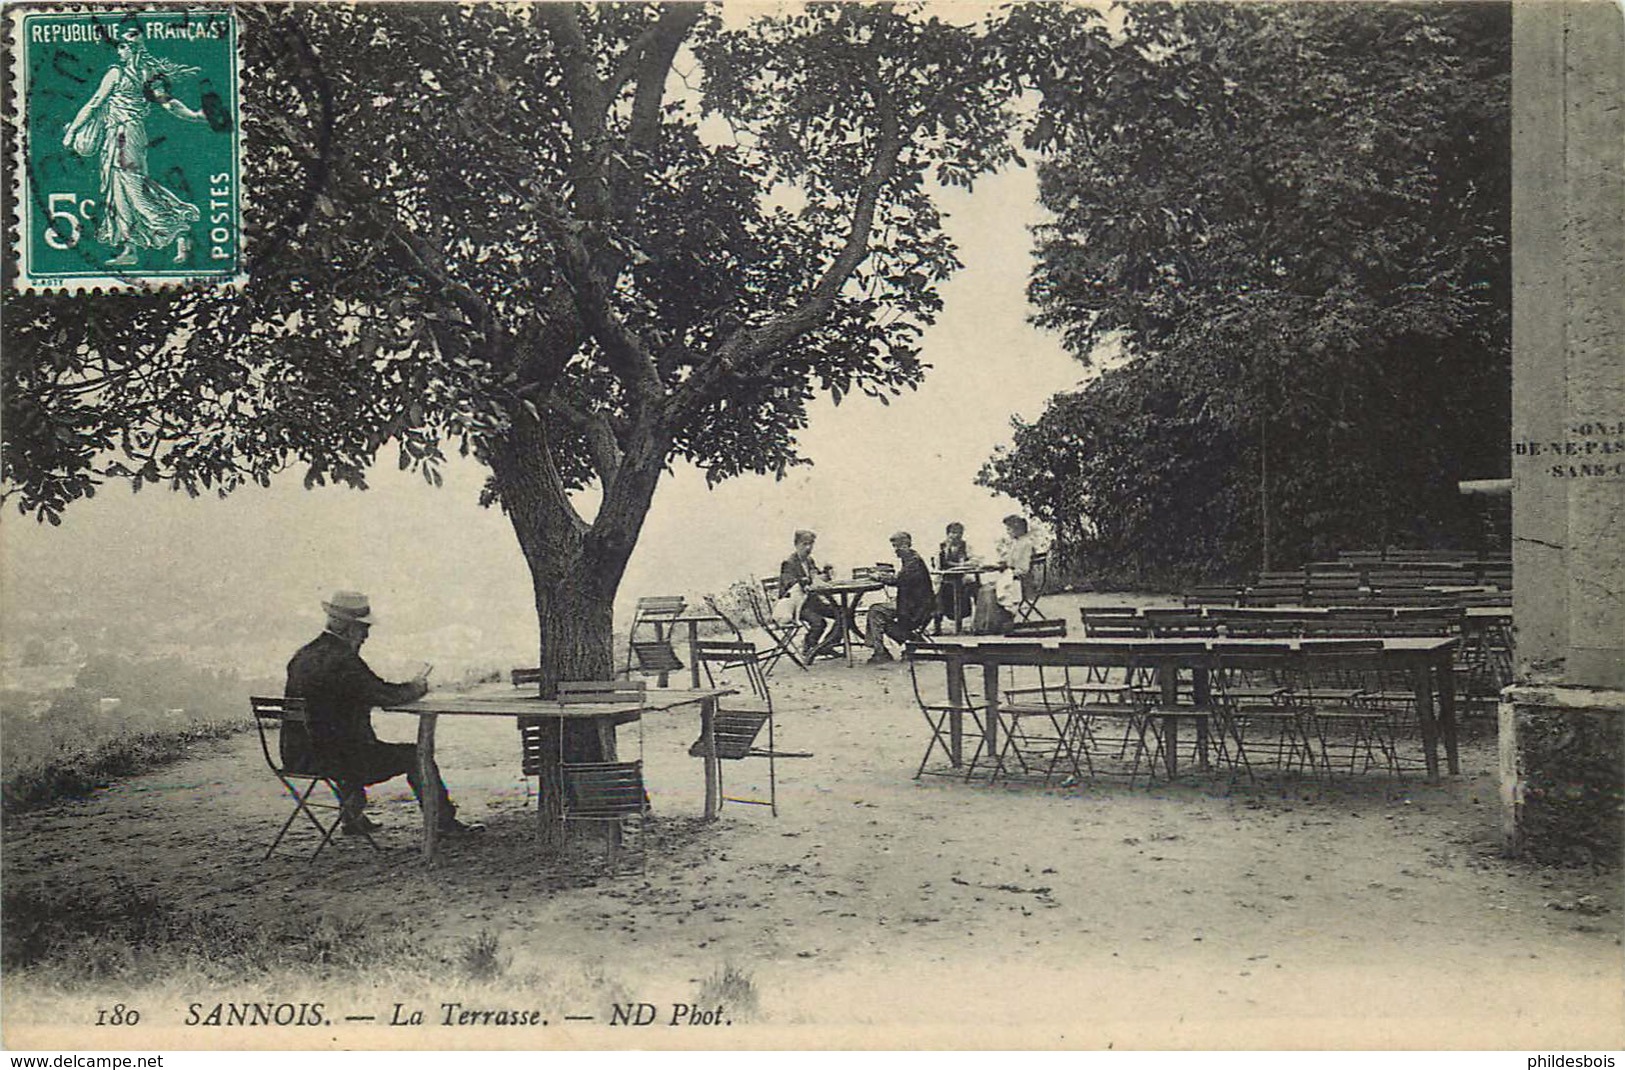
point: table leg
(1422, 684)
(713, 765)
(849, 621)
(664, 636)
(990, 692)
(1447, 711)
(693, 656)
(1168, 678)
(1203, 696)
(550, 791)
(956, 719)
(429, 800)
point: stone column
(1568, 340)
(1562, 728)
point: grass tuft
(481, 958)
(734, 989)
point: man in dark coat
(915, 604)
(340, 691)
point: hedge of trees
(1292, 224)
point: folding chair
(605, 793)
(1036, 721)
(1341, 687)
(533, 756)
(1261, 710)
(941, 708)
(288, 718)
(1032, 588)
(1208, 745)
(738, 721)
(1108, 712)
(783, 637)
(652, 652)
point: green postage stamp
(129, 148)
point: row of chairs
(1483, 661)
(1360, 577)
(1332, 710)
(1236, 622)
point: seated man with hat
(340, 691)
(915, 604)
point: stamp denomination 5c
(130, 169)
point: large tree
(575, 241)
(1294, 219)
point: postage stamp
(129, 149)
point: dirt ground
(877, 910)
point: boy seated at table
(956, 595)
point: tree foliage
(575, 241)
(1294, 220)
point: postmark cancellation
(128, 170)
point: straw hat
(350, 605)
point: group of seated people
(991, 605)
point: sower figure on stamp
(136, 209)
(340, 692)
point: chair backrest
(1212, 596)
(659, 606)
(1113, 622)
(1037, 629)
(717, 656)
(276, 709)
(275, 713)
(576, 692)
(524, 677)
(1039, 571)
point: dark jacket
(792, 571)
(340, 691)
(916, 601)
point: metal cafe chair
(1255, 686)
(288, 718)
(649, 646)
(940, 707)
(1209, 745)
(783, 637)
(1340, 685)
(610, 793)
(738, 721)
(1033, 589)
(1036, 722)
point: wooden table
(1427, 660)
(514, 704)
(847, 594)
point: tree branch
(602, 447)
(759, 351)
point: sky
(446, 577)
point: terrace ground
(875, 910)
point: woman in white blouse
(996, 602)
